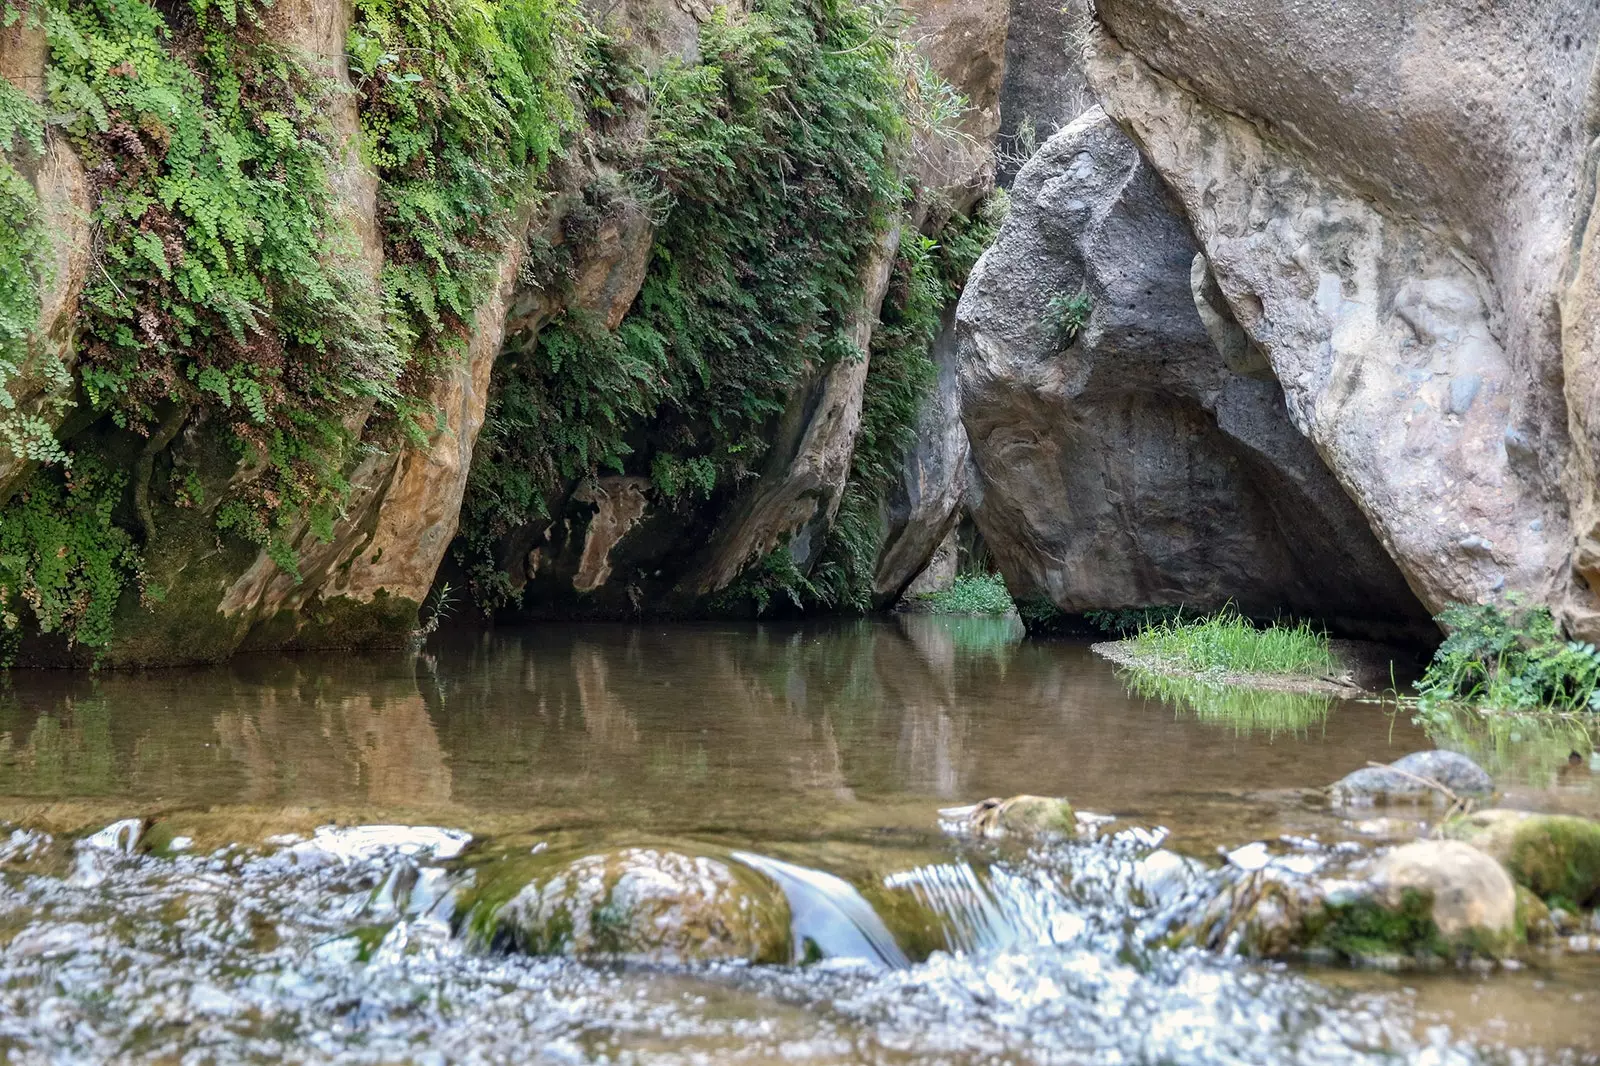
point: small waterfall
(1001, 908)
(829, 913)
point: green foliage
(463, 105)
(23, 263)
(63, 562)
(1365, 929)
(1067, 314)
(1535, 748)
(222, 280)
(770, 165)
(1228, 642)
(926, 277)
(1511, 657)
(1127, 621)
(1244, 710)
(970, 594)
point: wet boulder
(1555, 856)
(1412, 905)
(645, 904)
(1023, 816)
(1422, 775)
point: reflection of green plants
(1245, 710)
(1229, 642)
(1512, 658)
(1067, 314)
(970, 594)
(1533, 748)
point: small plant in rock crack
(1067, 314)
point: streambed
(830, 748)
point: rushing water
(820, 755)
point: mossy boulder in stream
(1021, 817)
(641, 903)
(1415, 905)
(1555, 856)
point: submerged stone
(1413, 778)
(641, 903)
(1556, 856)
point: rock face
(1045, 87)
(922, 510)
(1396, 204)
(1125, 460)
(41, 392)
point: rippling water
(822, 752)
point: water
(821, 754)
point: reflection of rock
(1418, 776)
(648, 904)
(1555, 856)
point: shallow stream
(230, 931)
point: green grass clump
(1512, 658)
(970, 594)
(1245, 710)
(1230, 643)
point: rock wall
(1126, 458)
(1396, 204)
(363, 580)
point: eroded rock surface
(1124, 459)
(1395, 203)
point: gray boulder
(1408, 779)
(1123, 459)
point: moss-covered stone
(1025, 817)
(643, 903)
(1555, 856)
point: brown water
(831, 746)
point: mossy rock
(1555, 856)
(1415, 905)
(1026, 817)
(648, 904)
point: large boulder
(647, 904)
(1412, 905)
(1126, 457)
(1396, 201)
(1555, 856)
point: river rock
(1470, 892)
(1419, 902)
(1407, 779)
(1125, 462)
(1420, 278)
(648, 904)
(1025, 817)
(1556, 856)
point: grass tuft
(970, 594)
(1230, 643)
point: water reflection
(770, 731)
(1244, 710)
